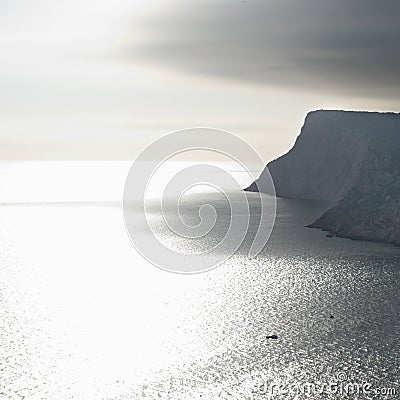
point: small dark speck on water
(272, 337)
(331, 317)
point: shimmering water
(83, 316)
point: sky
(94, 79)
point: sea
(84, 316)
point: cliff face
(371, 209)
(352, 158)
(324, 162)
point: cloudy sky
(97, 79)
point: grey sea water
(83, 316)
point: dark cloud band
(350, 46)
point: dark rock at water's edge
(352, 158)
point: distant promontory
(351, 159)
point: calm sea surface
(83, 316)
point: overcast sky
(95, 79)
